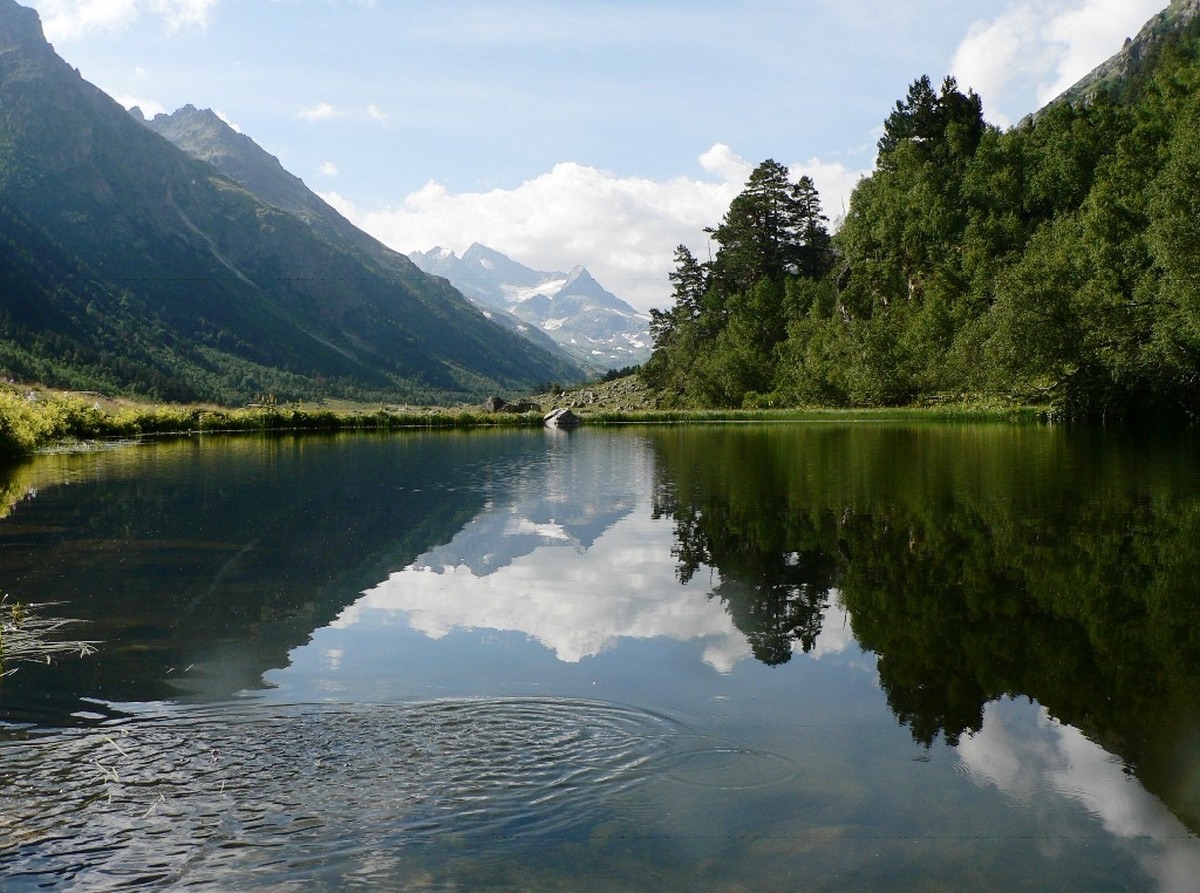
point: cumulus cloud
(1042, 49)
(149, 107)
(322, 111)
(66, 20)
(623, 229)
(232, 126)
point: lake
(868, 656)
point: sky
(565, 132)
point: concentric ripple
(727, 767)
(198, 796)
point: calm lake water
(745, 657)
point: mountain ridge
(202, 134)
(140, 269)
(1124, 67)
(586, 320)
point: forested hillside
(1057, 262)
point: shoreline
(34, 420)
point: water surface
(743, 657)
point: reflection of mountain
(571, 496)
(976, 563)
(199, 568)
(570, 555)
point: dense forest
(1053, 263)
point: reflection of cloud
(1023, 752)
(577, 605)
(571, 556)
(835, 636)
(549, 530)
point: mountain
(130, 265)
(203, 135)
(587, 321)
(1125, 69)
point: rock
(562, 418)
(498, 404)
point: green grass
(956, 412)
(38, 420)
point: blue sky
(601, 132)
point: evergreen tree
(773, 229)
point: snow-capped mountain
(591, 324)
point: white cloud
(1042, 48)
(726, 163)
(322, 111)
(328, 169)
(149, 107)
(66, 20)
(623, 229)
(340, 203)
(376, 113)
(178, 14)
(1090, 33)
(220, 114)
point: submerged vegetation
(27, 635)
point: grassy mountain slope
(130, 265)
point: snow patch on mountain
(589, 323)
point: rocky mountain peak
(1129, 59)
(24, 51)
(19, 25)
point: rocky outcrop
(499, 404)
(562, 418)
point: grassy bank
(33, 420)
(38, 419)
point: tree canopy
(1052, 263)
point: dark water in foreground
(870, 657)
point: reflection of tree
(221, 559)
(774, 576)
(974, 566)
